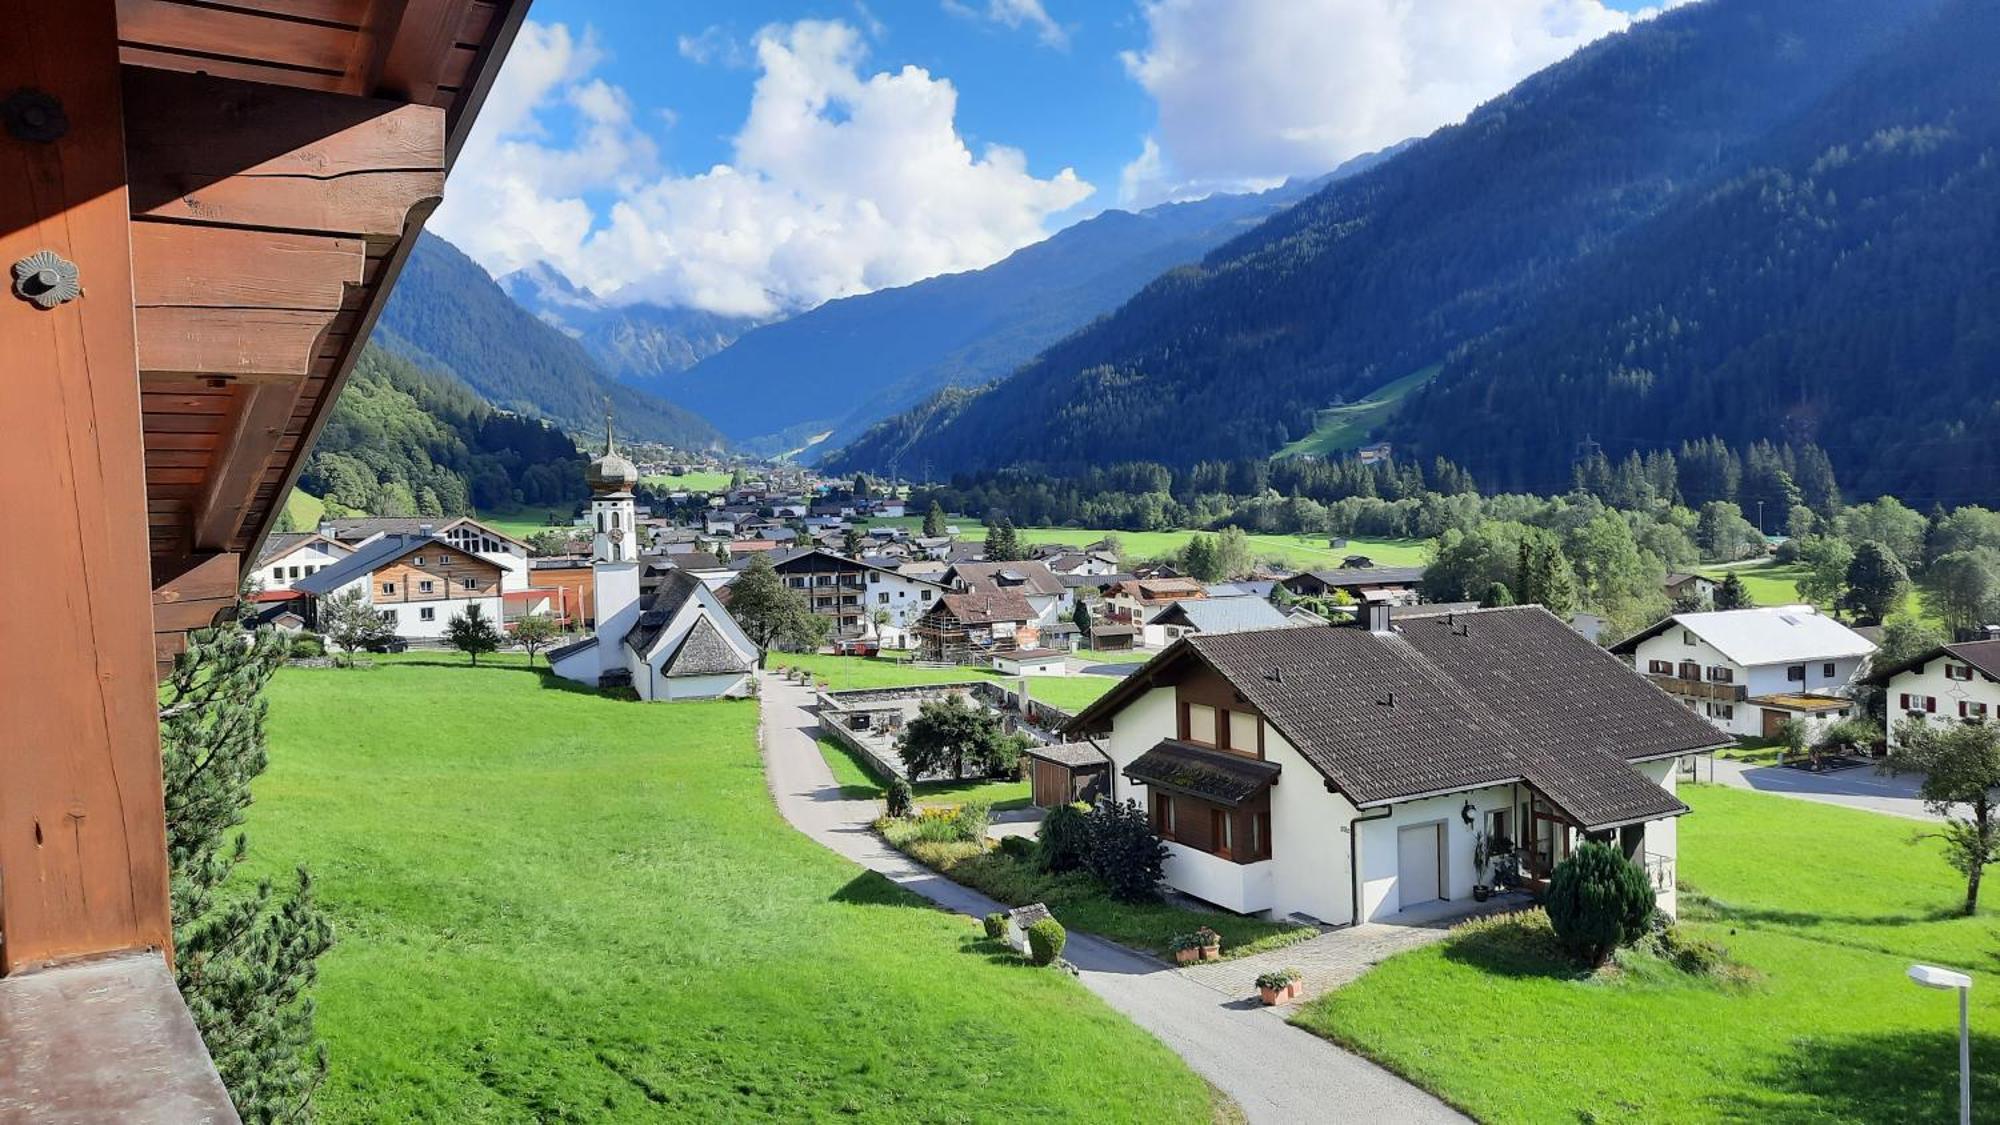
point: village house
(659, 630)
(1690, 589)
(1956, 683)
(291, 556)
(851, 591)
(1030, 578)
(1397, 585)
(961, 628)
(463, 532)
(1134, 601)
(1749, 670)
(417, 583)
(1213, 615)
(1087, 564)
(1346, 774)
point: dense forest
(448, 315)
(406, 441)
(1564, 227)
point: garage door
(1417, 866)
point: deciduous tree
(472, 633)
(770, 612)
(951, 732)
(536, 632)
(1876, 582)
(1960, 764)
(351, 623)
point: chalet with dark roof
(1395, 584)
(1951, 684)
(968, 628)
(1348, 773)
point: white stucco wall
(1246, 888)
(1663, 836)
(304, 559)
(1747, 719)
(1380, 894)
(1930, 680)
(907, 600)
(409, 623)
(1309, 839)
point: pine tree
(472, 633)
(1002, 542)
(243, 961)
(1730, 593)
(850, 541)
(934, 521)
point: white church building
(678, 642)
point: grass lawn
(1827, 906)
(555, 906)
(692, 482)
(1769, 583)
(523, 522)
(1338, 429)
(1078, 902)
(858, 782)
(850, 673)
(305, 509)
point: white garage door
(1417, 866)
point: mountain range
(827, 373)
(446, 314)
(1741, 217)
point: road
(1860, 788)
(1274, 1071)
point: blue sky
(758, 156)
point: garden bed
(1079, 901)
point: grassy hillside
(1339, 429)
(554, 906)
(304, 508)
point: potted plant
(1279, 986)
(1186, 947)
(1211, 944)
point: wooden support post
(83, 864)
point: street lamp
(1930, 976)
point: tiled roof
(987, 608)
(1453, 702)
(364, 561)
(1983, 655)
(1033, 577)
(658, 611)
(1370, 576)
(1068, 754)
(556, 655)
(1223, 615)
(1212, 775)
(704, 652)
(284, 541)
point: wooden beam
(181, 264)
(230, 488)
(171, 26)
(416, 56)
(262, 344)
(83, 864)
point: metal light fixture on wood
(47, 279)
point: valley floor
(556, 906)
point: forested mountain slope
(1399, 268)
(447, 314)
(406, 441)
(851, 362)
(1840, 289)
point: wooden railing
(1699, 689)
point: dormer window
(1957, 671)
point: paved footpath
(1275, 1072)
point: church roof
(704, 652)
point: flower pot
(1272, 997)
(1211, 952)
(1184, 956)
(1481, 892)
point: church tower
(614, 550)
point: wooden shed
(1066, 772)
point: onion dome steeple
(610, 472)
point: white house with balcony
(1956, 683)
(1349, 773)
(1747, 671)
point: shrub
(1597, 901)
(996, 925)
(973, 819)
(1065, 838)
(953, 824)
(1123, 852)
(1692, 956)
(1046, 938)
(306, 646)
(901, 798)
(1193, 940)
(1279, 978)
(1018, 848)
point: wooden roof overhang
(281, 156)
(235, 185)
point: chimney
(1378, 616)
(424, 530)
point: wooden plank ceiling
(281, 156)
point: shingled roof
(1983, 655)
(1213, 775)
(658, 611)
(1026, 576)
(987, 608)
(1453, 702)
(704, 652)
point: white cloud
(1015, 14)
(840, 182)
(1252, 91)
(714, 45)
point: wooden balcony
(1699, 689)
